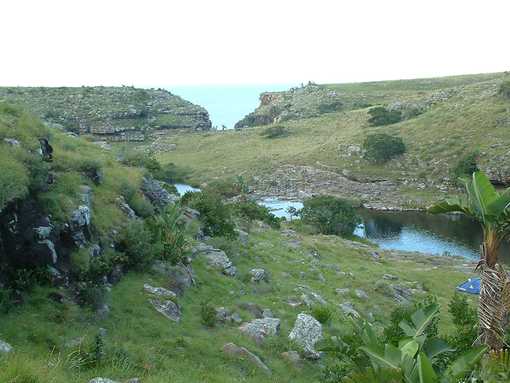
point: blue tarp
(471, 286)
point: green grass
(141, 342)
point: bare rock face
(110, 113)
(307, 332)
(234, 350)
(168, 308)
(259, 329)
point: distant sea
(226, 104)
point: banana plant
(492, 210)
(413, 359)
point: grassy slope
(148, 345)
(465, 122)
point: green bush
(172, 174)
(380, 116)
(214, 214)
(381, 147)
(251, 211)
(322, 313)
(330, 215)
(276, 131)
(135, 242)
(504, 89)
(207, 314)
(466, 166)
(465, 320)
(227, 188)
(168, 235)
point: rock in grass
(219, 260)
(259, 329)
(306, 333)
(234, 350)
(348, 309)
(292, 357)
(361, 294)
(102, 380)
(5, 347)
(168, 308)
(159, 291)
(257, 275)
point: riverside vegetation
(105, 272)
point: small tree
(381, 116)
(492, 210)
(330, 215)
(381, 147)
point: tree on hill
(382, 147)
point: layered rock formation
(111, 113)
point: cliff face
(111, 113)
(304, 102)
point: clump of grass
(207, 314)
(322, 313)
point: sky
(196, 42)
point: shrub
(135, 241)
(168, 235)
(504, 89)
(330, 215)
(251, 210)
(276, 131)
(142, 207)
(466, 166)
(207, 314)
(464, 317)
(381, 116)
(172, 173)
(381, 147)
(227, 188)
(322, 313)
(214, 214)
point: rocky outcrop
(216, 258)
(307, 332)
(156, 193)
(167, 308)
(110, 113)
(259, 329)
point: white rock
(307, 332)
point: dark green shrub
(330, 215)
(333, 106)
(14, 178)
(168, 235)
(141, 205)
(214, 214)
(322, 313)
(465, 319)
(207, 314)
(381, 147)
(466, 166)
(381, 116)
(251, 211)
(172, 174)
(276, 131)
(135, 242)
(504, 89)
(91, 294)
(226, 188)
(142, 159)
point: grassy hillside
(457, 116)
(141, 342)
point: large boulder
(217, 259)
(307, 331)
(258, 329)
(180, 277)
(168, 308)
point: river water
(408, 231)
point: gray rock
(267, 313)
(180, 276)
(12, 141)
(307, 331)
(233, 350)
(126, 209)
(361, 294)
(390, 277)
(257, 275)
(219, 260)
(156, 193)
(5, 347)
(243, 236)
(259, 329)
(102, 380)
(168, 308)
(342, 291)
(348, 309)
(159, 291)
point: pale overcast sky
(153, 43)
